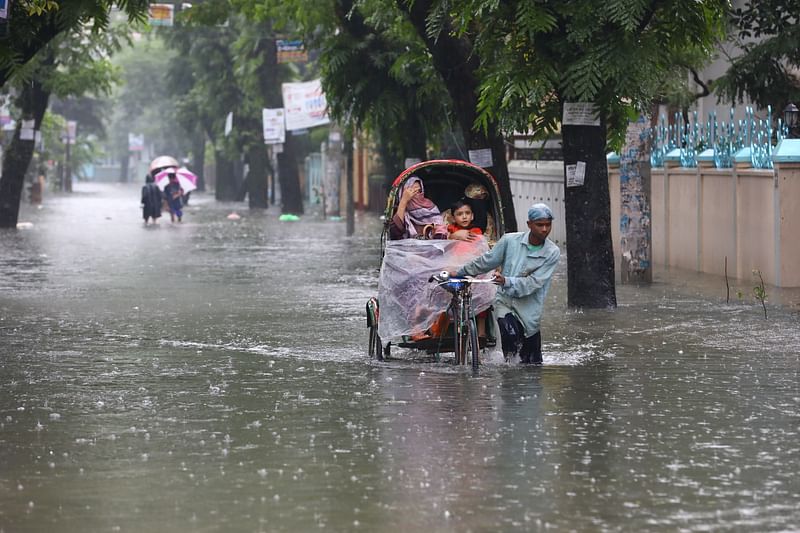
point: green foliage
(619, 54)
(37, 22)
(142, 102)
(39, 7)
(764, 72)
(376, 72)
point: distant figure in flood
(174, 194)
(151, 200)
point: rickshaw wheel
(375, 346)
(474, 347)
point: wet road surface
(213, 376)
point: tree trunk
(350, 206)
(257, 177)
(68, 165)
(590, 256)
(124, 165)
(291, 195)
(287, 171)
(33, 103)
(455, 60)
(227, 189)
(199, 159)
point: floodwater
(212, 376)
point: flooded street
(212, 376)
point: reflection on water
(212, 376)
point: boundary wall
(700, 216)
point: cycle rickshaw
(413, 295)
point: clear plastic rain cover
(409, 304)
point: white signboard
(411, 161)
(162, 14)
(72, 131)
(576, 174)
(580, 114)
(229, 124)
(274, 126)
(26, 132)
(135, 142)
(481, 158)
(305, 105)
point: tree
(32, 24)
(204, 63)
(377, 75)
(69, 65)
(537, 57)
(371, 51)
(142, 102)
(32, 102)
(765, 72)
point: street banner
(291, 51)
(162, 14)
(135, 142)
(304, 104)
(274, 125)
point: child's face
(463, 216)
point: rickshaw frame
(438, 176)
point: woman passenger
(416, 216)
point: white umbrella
(163, 161)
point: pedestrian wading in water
(526, 261)
(151, 200)
(174, 194)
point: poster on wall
(304, 104)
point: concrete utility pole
(351, 211)
(332, 172)
(634, 178)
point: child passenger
(462, 229)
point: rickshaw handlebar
(453, 283)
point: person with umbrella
(174, 194)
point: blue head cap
(540, 211)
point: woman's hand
(410, 192)
(499, 279)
